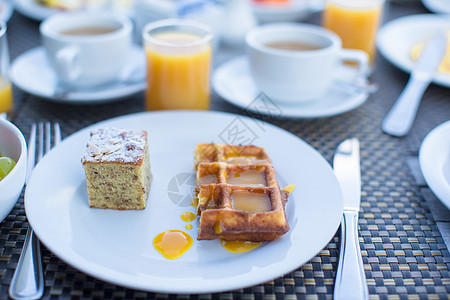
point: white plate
(232, 81)
(34, 10)
(6, 10)
(31, 72)
(437, 6)
(116, 246)
(434, 159)
(294, 10)
(396, 39)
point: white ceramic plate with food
(116, 246)
(434, 159)
(37, 11)
(32, 73)
(232, 81)
(396, 39)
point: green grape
(6, 165)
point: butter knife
(401, 117)
(350, 278)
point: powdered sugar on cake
(116, 145)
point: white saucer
(32, 73)
(396, 39)
(232, 82)
(434, 159)
(34, 10)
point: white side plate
(396, 39)
(434, 159)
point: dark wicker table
(402, 225)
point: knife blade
(400, 118)
(350, 278)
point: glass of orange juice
(355, 21)
(6, 95)
(178, 64)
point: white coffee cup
(84, 49)
(296, 76)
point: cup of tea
(293, 62)
(86, 50)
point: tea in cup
(293, 63)
(86, 50)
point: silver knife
(350, 278)
(400, 118)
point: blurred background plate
(437, 6)
(36, 10)
(6, 10)
(397, 38)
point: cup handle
(358, 56)
(66, 63)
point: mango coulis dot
(172, 243)
(239, 246)
(188, 216)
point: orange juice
(6, 96)
(178, 72)
(355, 21)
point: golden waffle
(238, 194)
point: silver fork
(28, 279)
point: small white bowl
(13, 145)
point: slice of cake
(117, 167)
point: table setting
(367, 209)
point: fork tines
(44, 142)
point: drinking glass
(6, 95)
(356, 22)
(178, 64)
